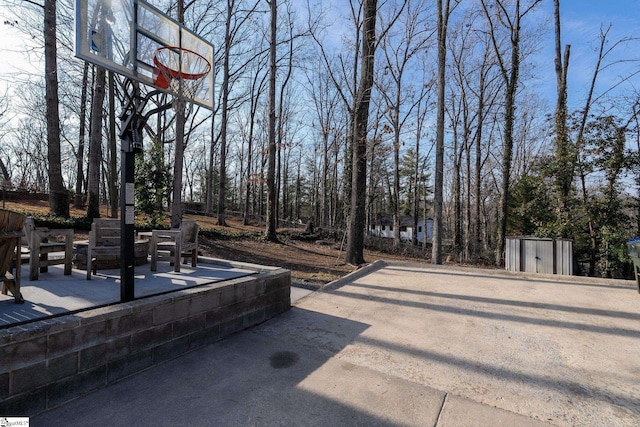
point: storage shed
(539, 255)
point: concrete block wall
(49, 362)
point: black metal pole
(127, 215)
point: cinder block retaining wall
(49, 362)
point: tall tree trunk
(247, 200)
(222, 178)
(457, 191)
(280, 146)
(113, 168)
(636, 118)
(58, 194)
(79, 199)
(507, 153)
(416, 184)
(271, 234)
(425, 212)
(355, 241)
(95, 145)
(324, 215)
(212, 147)
(478, 165)
(467, 212)
(255, 92)
(178, 165)
(178, 161)
(396, 172)
(510, 73)
(564, 152)
(443, 20)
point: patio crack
(444, 402)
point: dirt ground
(312, 263)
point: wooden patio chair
(104, 241)
(177, 243)
(11, 232)
(43, 243)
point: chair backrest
(11, 224)
(105, 232)
(190, 229)
(29, 226)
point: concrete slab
(405, 344)
(557, 349)
(54, 293)
(298, 293)
(460, 412)
(250, 380)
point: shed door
(544, 256)
(528, 256)
(538, 256)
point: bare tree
(325, 102)
(178, 163)
(355, 240)
(256, 89)
(564, 164)
(604, 51)
(401, 98)
(444, 11)
(235, 20)
(270, 233)
(222, 190)
(462, 119)
(95, 145)
(509, 16)
(485, 91)
(58, 195)
(281, 116)
(80, 178)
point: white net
(180, 70)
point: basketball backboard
(124, 35)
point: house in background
(383, 227)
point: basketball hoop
(180, 70)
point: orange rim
(176, 74)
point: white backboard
(123, 35)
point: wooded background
(461, 126)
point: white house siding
(386, 231)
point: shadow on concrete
(632, 333)
(572, 387)
(514, 303)
(254, 378)
(503, 275)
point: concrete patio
(55, 293)
(72, 335)
(404, 344)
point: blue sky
(581, 23)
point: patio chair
(11, 233)
(104, 242)
(43, 243)
(177, 243)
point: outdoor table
(141, 254)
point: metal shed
(539, 255)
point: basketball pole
(132, 122)
(131, 143)
(127, 229)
